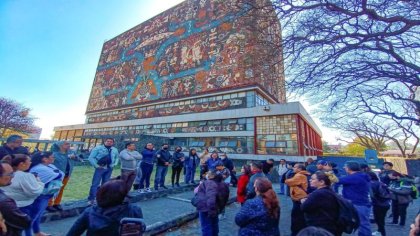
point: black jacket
(163, 156)
(16, 220)
(375, 196)
(228, 163)
(177, 160)
(103, 221)
(321, 210)
(5, 150)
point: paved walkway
(172, 208)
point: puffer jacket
(103, 221)
(298, 185)
(212, 197)
(401, 190)
(253, 219)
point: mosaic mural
(197, 47)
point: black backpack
(348, 217)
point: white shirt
(25, 188)
(282, 169)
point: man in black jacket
(163, 157)
(16, 221)
(13, 145)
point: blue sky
(49, 51)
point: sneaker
(156, 188)
(148, 190)
(141, 191)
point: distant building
(201, 75)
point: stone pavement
(174, 211)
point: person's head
(270, 161)
(45, 158)
(223, 155)
(193, 151)
(14, 141)
(290, 165)
(264, 189)
(328, 167)
(256, 166)
(314, 231)
(415, 227)
(246, 169)
(310, 160)
(112, 193)
(219, 165)
(388, 165)
(165, 146)
(320, 164)
(351, 166)
(109, 142)
(298, 167)
(364, 167)
(282, 161)
(178, 149)
(21, 162)
(130, 146)
(65, 146)
(395, 175)
(149, 146)
(211, 174)
(214, 155)
(320, 180)
(372, 176)
(6, 174)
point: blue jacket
(163, 156)
(211, 163)
(100, 152)
(103, 221)
(177, 159)
(253, 219)
(356, 188)
(191, 161)
(250, 191)
(148, 156)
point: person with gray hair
(13, 145)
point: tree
(363, 55)
(353, 149)
(14, 117)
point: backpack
(414, 192)
(348, 217)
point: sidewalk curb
(75, 208)
(160, 227)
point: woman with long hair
(320, 207)
(190, 166)
(260, 215)
(242, 183)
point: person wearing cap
(384, 175)
(320, 165)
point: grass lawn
(81, 178)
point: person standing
(129, 158)
(16, 220)
(242, 183)
(310, 166)
(298, 190)
(381, 198)
(146, 167)
(13, 145)
(211, 162)
(103, 158)
(386, 170)
(267, 166)
(401, 196)
(356, 188)
(256, 172)
(178, 163)
(261, 215)
(228, 163)
(163, 157)
(190, 166)
(281, 170)
(203, 163)
(320, 207)
(64, 161)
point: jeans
(146, 170)
(281, 187)
(209, 225)
(160, 176)
(298, 218)
(176, 172)
(36, 211)
(364, 228)
(189, 175)
(379, 213)
(399, 211)
(100, 176)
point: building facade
(204, 73)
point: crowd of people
(33, 184)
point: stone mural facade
(197, 47)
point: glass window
(218, 98)
(241, 94)
(203, 123)
(234, 95)
(242, 121)
(227, 96)
(233, 121)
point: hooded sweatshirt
(356, 188)
(103, 221)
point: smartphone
(132, 226)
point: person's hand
(3, 228)
(303, 200)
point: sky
(49, 51)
